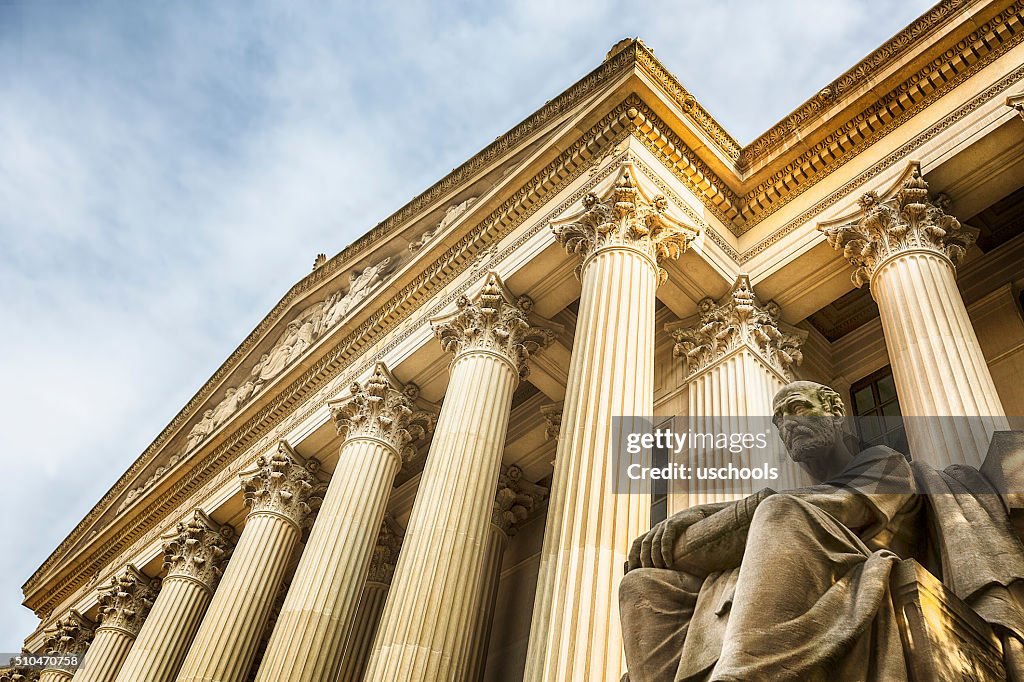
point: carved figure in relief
(274, 362)
(359, 288)
(450, 216)
(200, 431)
(226, 407)
(796, 585)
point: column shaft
(107, 653)
(589, 528)
(225, 645)
(164, 640)
(905, 244)
(937, 362)
(483, 612)
(307, 642)
(363, 631)
(194, 555)
(425, 630)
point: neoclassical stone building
(403, 474)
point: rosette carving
(126, 601)
(493, 320)
(198, 549)
(626, 217)
(383, 408)
(739, 320)
(281, 483)
(908, 221)
(514, 499)
(385, 552)
(70, 635)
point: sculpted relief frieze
(311, 324)
(450, 216)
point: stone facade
(402, 473)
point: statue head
(809, 417)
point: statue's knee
(638, 583)
(778, 507)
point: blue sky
(168, 170)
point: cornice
(922, 88)
(898, 155)
(853, 79)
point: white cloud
(166, 176)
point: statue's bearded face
(807, 416)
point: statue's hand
(657, 548)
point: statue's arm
(658, 547)
(717, 541)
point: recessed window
(877, 408)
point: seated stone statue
(795, 585)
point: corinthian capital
(198, 549)
(740, 319)
(625, 217)
(382, 408)
(126, 601)
(907, 221)
(281, 483)
(70, 635)
(385, 552)
(493, 320)
(514, 499)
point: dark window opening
(877, 408)
(659, 487)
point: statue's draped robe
(810, 599)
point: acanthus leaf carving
(69, 636)
(552, 414)
(514, 499)
(383, 408)
(126, 601)
(384, 557)
(496, 321)
(625, 217)
(739, 320)
(281, 483)
(198, 549)
(907, 221)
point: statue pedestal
(943, 638)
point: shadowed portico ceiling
(630, 93)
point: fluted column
(124, 605)
(277, 491)
(575, 632)
(907, 248)
(70, 636)
(371, 602)
(737, 356)
(194, 556)
(378, 426)
(514, 499)
(426, 627)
